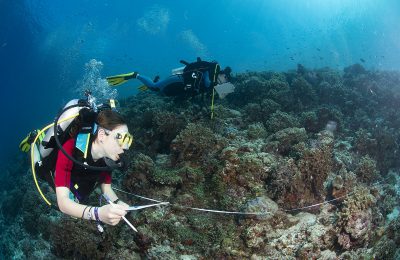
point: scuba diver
(78, 152)
(200, 77)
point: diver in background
(195, 78)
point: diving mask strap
(95, 127)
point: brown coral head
(143, 241)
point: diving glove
(120, 79)
(25, 145)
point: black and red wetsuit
(79, 180)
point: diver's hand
(112, 214)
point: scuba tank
(64, 120)
(177, 71)
(47, 144)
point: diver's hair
(107, 119)
(110, 119)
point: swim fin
(25, 145)
(120, 79)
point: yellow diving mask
(125, 140)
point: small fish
(362, 60)
(321, 58)
(4, 45)
(372, 92)
(318, 49)
(291, 58)
(287, 48)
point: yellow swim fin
(120, 79)
(143, 88)
(25, 144)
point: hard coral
(263, 205)
(284, 140)
(261, 86)
(301, 183)
(310, 122)
(314, 166)
(78, 239)
(354, 70)
(356, 220)
(166, 176)
(195, 143)
(385, 249)
(281, 120)
(364, 142)
(243, 175)
(367, 170)
(167, 126)
(259, 112)
(304, 92)
(341, 184)
(138, 177)
(256, 131)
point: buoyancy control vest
(82, 180)
(194, 73)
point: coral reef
(280, 145)
(195, 143)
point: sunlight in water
(155, 20)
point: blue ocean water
(49, 48)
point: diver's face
(222, 78)
(111, 143)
